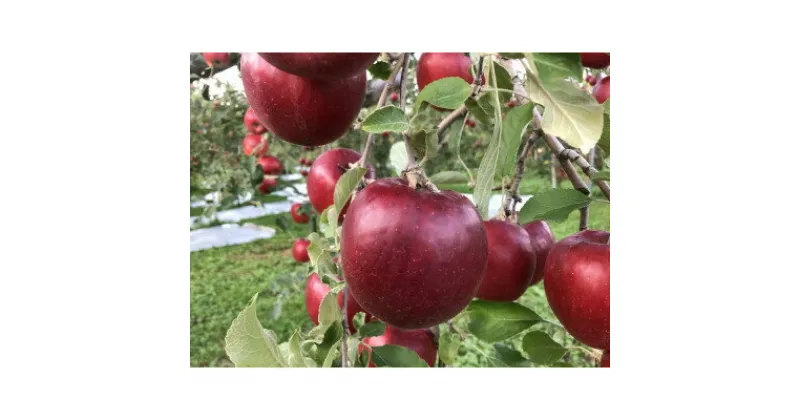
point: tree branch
(512, 198)
(381, 102)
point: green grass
(224, 279)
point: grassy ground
(224, 279)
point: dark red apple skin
(299, 110)
(300, 250)
(512, 262)
(325, 172)
(420, 341)
(250, 142)
(542, 241)
(322, 66)
(592, 80)
(435, 66)
(597, 60)
(577, 283)
(316, 291)
(267, 185)
(252, 124)
(298, 217)
(412, 258)
(271, 165)
(602, 90)
(217, 59)
(606, 360)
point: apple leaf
(482, 109)
(390, 355)
(295, 358)
(503, 81)
(511, 356)
(389, 118)
(557, 67)
(497, 321)
(512, 55)
(328, 229)
(605, 139)
(345, 186)
(514, 124)
(424, 144)
(488, 166)
(448, 346)
(318, 254)
(372, 329)
(447, 93)
(248, 344)
(329, 311)
(282, 223)
(449, 177)
(541, 349)
(602, 176)
(398, 157)
(554, 205)
(328, 349)
(380, 70)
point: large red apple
(300, 250)
(577, 282)
(420, 341)
(512, 262)
(325, 172)
(322, 66)
(271, 165)
(412, 258)
(606, 360)
(252, 124)
(435, 66)
(250, 142)
(542, 240)
(316, 291)
(217, 59)
(602, 90)
(299, 110)
(297, 216)
(596, 60)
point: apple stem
(583, 224)
(381, 102)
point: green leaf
(282, 223)
(554, 205)
(389, 118)
(602, 176)
(329, 348)
(605, 139)
(363, 359)
(503, 81)
(345, 186)
(488, 166)
(497, 321)
(517, 119)
(447, 93)
(541, 349)
(398, 157)
(390, 355)
(482, 109)
(372, 329)
(424, 144)
(556, 67)
(512, 55)
(295, 358)
(380, 70)
(511, 356)
(448, 346)
(248, 344)
(318, 254)
(329, 311)
(328, 229)
(449, 177)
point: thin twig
(583, 223)
(513, 198)
(381, 102)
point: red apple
(435, 66)
(267, 185)
(271, 165)
(321, 66)
(385, 134)
(252, 124)
(325, 171)
(304, 172)
(300, 250)
(577, 284)
(512, 262)
(602, 90)
(606, 360)
(511, 103)
(542, 240)
(412, 258)
(299, 110)
(316, 291)
(590, 79)
(250, 142)
(420, 341)
(596, 60)
(299, 217)
(395, 97)
(217, 59)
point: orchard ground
(224, 279)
